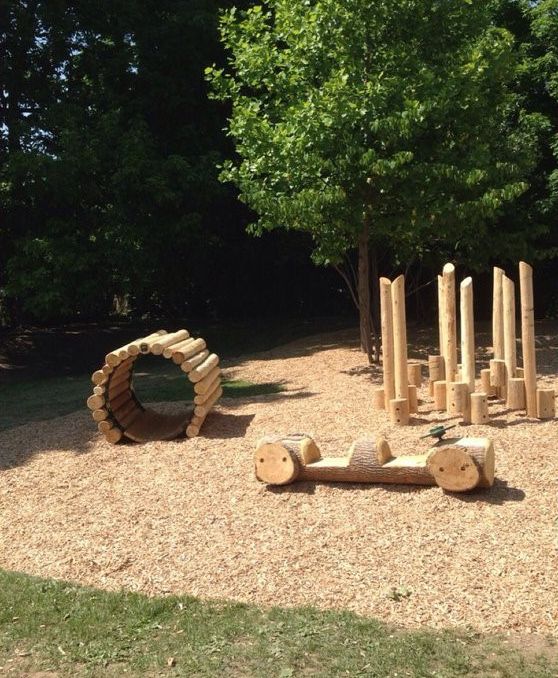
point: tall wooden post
(450, 335)
(400, 343)
(441, 315)
(528, 337)
(387, 340)
(498, 315)
(467, 334)
(510, 352)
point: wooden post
(486, 384)
(528, 337)
(516, 393)
(479, 408)
(441, 314)
(546, 408)
(458, 397)
(498, 374)
(414, 373)
(440, 399)
(378, 399)
(388, 367)
(413, 399)
(450, 335)
(498, 314)
(436, 371)
(508, 293)
(400, 349)
(399, 411)
(467, 334)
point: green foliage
(401, 111)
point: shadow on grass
(79, 631)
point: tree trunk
(365, 319)
(375, 301)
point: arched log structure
(118, 412)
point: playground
(188, 516)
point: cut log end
(275, 465)
(454, 469)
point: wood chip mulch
(189, 517)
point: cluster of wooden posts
(451, 385)
(117, 410)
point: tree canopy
(435, 120)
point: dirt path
(189, 516)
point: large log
(456, 465)
(388, 367)
(528, 337)
(450, 333)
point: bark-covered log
(455, 465)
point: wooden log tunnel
(456, 465)
(118, 412)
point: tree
(391, 124)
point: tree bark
(365, 319)
(375, 302)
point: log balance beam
(455, 465)
(118, 412)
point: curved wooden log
(115, 403)
(455, 465)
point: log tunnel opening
(170, 410)
(117, 400)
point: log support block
(479, 408)
(378, 399)
(414, 373)
(413, 399)
(436, 371)
(486, 385)
(516, 393)
(440, 400)
(399, 411)
(546, 403)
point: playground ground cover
(188, 517)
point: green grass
(41, 399)
(47, 625)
